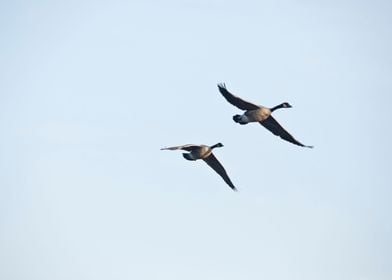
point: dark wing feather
(213, 162)
(272, 125)
(187, 147)
(236, 101)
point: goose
(261, 114)
(204, 152)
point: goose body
(204, 152)
(257, 115)
(260, 114)
(201, 152)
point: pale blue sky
(91, 90)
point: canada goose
(256, 113)
(204, 152)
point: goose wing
(213, 162)
(187, 147)
(272, 125)
(235, 100)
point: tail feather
(237, 118)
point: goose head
(218, 145)
(280, 106)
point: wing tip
(222, 88)
(308, 146)
(222, 85)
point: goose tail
(188, 156)
(239, 119)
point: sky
(91, 90)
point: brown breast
(202, 152)
(258, 115)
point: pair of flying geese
(253, 113)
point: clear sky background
(91, 90)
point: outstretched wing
(213, 162)
(272, 125)
(187, 147)
(236, 101)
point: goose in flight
(204, 152)
(256, 113)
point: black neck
(277, 107)
(214, 146)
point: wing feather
(235, 100)
(187, 147)
(213, 162)
(272, 125)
